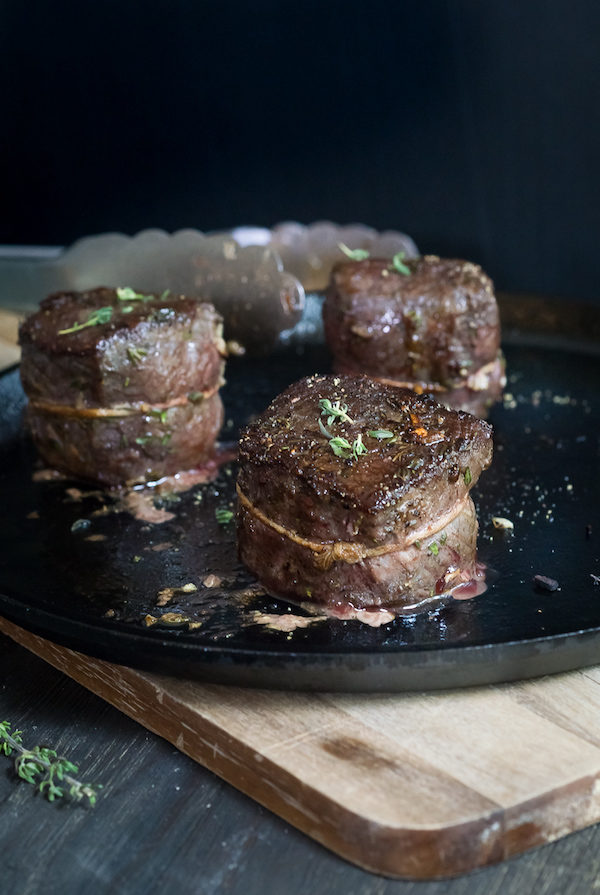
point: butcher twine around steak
(356, 493)
(123, 386)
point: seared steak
(122, 386)
(362, 500)
(435, 329)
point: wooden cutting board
(414, 785)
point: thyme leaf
(380, 434)
(467, 476)
(126, 293)
(136, 354)
(102, 315)
(324, 430)
(223, 515)
(334, 411)
(353, 254)
(398, 264)
(341, 447)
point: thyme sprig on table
(51, 774)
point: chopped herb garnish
(443, 539)
(136, 354)
(433, 548)
(353, 254)
(467, 476)
(102, 315)
(164, 295)
(380, 434)
(324, 430)
(223, 515)
(160, 414)
(195, 397)
(418, 545)
(125, 293)
(165, 439)
(358, 447)
(398, 264)
(142, 439)
(334, 411)
(341, 447)
(127, 309)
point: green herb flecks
(398, 264)
(142, 439)
(324, 430)
(467, 477)
(353, 254)
(358, 447)
(433, 548)
(51, 774)
(102, 315)
(160, 414)
(443, 539)
(195, 397)
(341, 447)
(223, 515)
(380, 434)
(334, 411)
(125, 293)
(136, 355)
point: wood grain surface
(417, 786)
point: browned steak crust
(133, 396)
(358, 525)
(437, 327)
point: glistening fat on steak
(432, 325)
(123, 386)
(356, 493)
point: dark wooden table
(164, 824)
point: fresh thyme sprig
(334, 411)
(353, 254)
(102, 315)
(45, 769)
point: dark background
(472, 125)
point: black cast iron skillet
(87, 577)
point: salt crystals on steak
(353, 492)
(434, 328)
(122, 386)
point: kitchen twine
(344, 551)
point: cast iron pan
(76, 571)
